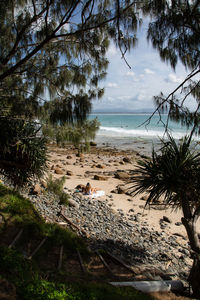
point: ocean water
(129, 131)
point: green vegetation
(174, 175)
(78, 134)
(31, 279)
(174, 31)
(22, 150)
(56, 186)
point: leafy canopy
(56, 49)
(174, 31)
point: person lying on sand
(89, 190)
(86, 189)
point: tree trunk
(194, 277)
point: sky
(132, 90)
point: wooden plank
(16, 239)
(81, 262)
(120, 262)
(60, 257)
(104, 262)
(37, 248)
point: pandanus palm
(174, 174)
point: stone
(122, 175)
(58, 171)
(73, 203)
(37, 189)
(100, 177)
(69, 157)
(166, 219)
(127, 160)
(100, 166)
(178, 223)
(81, 155)
(93, 144)
(69, 173)
(144, 198)
(121, 189)
(43, 183)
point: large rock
(100, 166)
(121, 189)
(43, 183)
(122, 175)
(69, 173)
(127, 160)
(100, 177)
(58, 171)
(73, 203)
(37, 189)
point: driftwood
(74, 225)
(37, 248)
(81, 262)
(16, 238)
(60, 258)
(121, 262)
(104, 262)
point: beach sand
(80, 169)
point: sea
(135, 131)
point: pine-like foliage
(79, 134)
(55, 50)
(22, 150)
(174, 31)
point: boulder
(73, 203)
(121, 189)
(127, 160)
(100, 177)
(43, 183)
(166, 219)
(93, 144)
(69, 173)
(80, 155)
(69, 157)
(58, 171)
(100, 166)
(37, 189)
(122, 175)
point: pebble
(129, 238)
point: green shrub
(22, 150)
(56, 186)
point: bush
(56, 187)
(22, 150)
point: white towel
(97, 194)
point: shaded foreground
(32, 270)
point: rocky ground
(152, 254)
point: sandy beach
(100, 168)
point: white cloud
(130, 74)
(124, 97)
(112, 51)
(148, 71)
(112, 85)
(173, 78)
